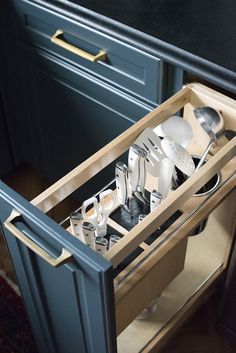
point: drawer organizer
(177, 267)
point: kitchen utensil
(89, 234)
(76, 220)
(152, 144)
(121, 177)
(101, 245)
(137, 171)
(165, 177)
(178, 155)
(113, 240)
(155, 199)
(212, 123)
(105, 209)
(177, 128)
(99, 213)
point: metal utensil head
(152, 144)
(211, 121)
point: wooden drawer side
(136, 296)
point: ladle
(212, 123)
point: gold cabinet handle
(65, 254)
(83, 54)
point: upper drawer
(123, 66)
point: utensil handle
(165, 176)
(204, 155)
(65, 254)
(83, 54)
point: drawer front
(64, 300)
(123, 66)
(66, 105)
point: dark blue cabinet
(71, 306)
(70, 114)
(6, 157)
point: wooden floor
(198, 335)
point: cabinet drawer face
(123, 66)
(67, 104)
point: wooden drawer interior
(157, 271)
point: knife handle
(76, 220)
(89, 234)
(155, 199)
(101, 245)
(135, 155)
(113, 240)
(142, 172)
(121, 174)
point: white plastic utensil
(105, 209)
(100, 212)
(177, 128)
(178, 155)
(93, 215)
(152, 144)
(165, 177)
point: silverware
(101, 245)
(137, 171)
(212, 123)
(155, 199)
(113, 240)
(89, 234)
(121, 177)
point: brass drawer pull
(65, 254)
(83, 54)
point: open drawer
(80, 294)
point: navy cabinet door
(6, 158)
(70, 113)
(71, 306)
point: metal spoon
(212, 123)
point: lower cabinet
(79, 301)
(70, 113)
(6, 157)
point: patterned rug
(15, 335)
